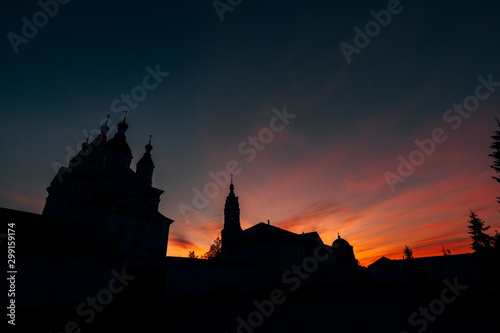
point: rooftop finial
(231, 187)
(104, 127)
(85, 145)
(125, 115)
(148, 146)
(122, 126)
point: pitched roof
(263, 232)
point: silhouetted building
(99, 187)
(101, 219)
(343, 252)
(265, 243)
(59, 262)
(465, 267)
(260, 257)
(187, 276)
(231, 214)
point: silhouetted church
(101, 217)
(265, 243)
(261, 257)
(99, 187)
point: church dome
(146, 159)
(119, 144)
(343, 252)
(340, 242)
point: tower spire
(148, 146)
(85, 145)
(125, 113)
(105, 128)
(231, 211)
(101, 138)
(122, 126)
(231, 187)
(145, 166)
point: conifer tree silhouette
(495, 145)
(480, 240)
(407, 253)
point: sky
(371, 119)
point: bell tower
(231, 212)
(145, 166)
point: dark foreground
(334, 309)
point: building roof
(264, 232)
(340, 242)
(385, 262)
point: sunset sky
(324, 170)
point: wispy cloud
(311, 216)
(339, 187)
(180, 242)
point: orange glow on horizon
(332, 191)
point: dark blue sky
(225, 78)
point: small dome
(119, 142)
(340, 242)
(146, 160)
(342, 251)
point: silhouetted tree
(480, 240)
(407, 253)
(495, 145)
(192, 255)
(413, 269)
(495, 241)
(215, 250)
